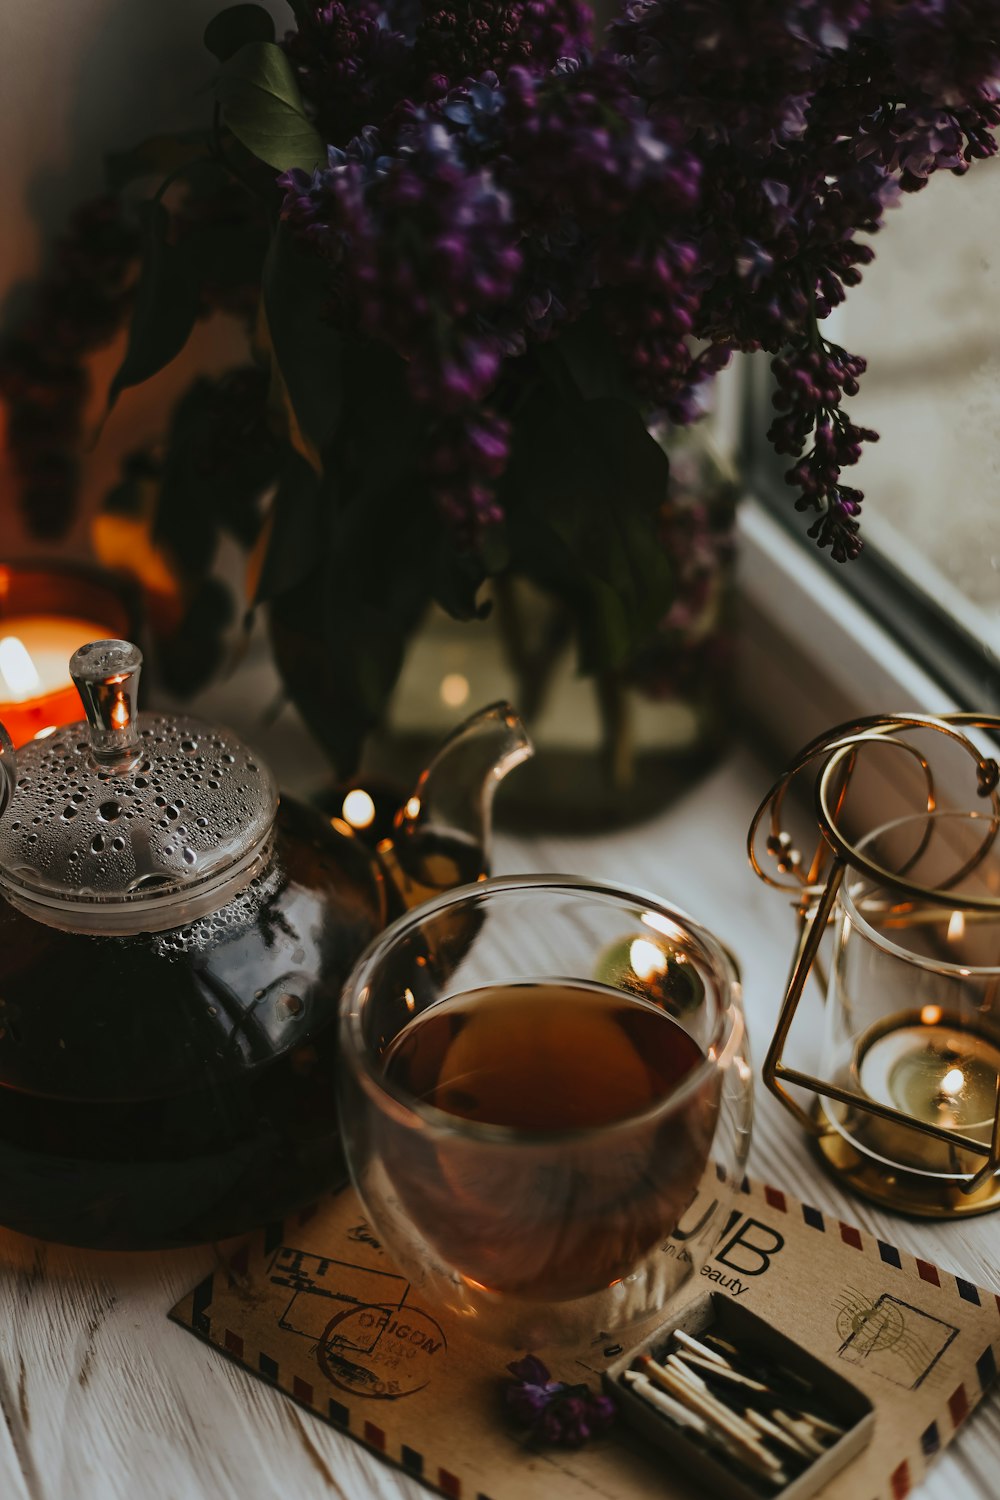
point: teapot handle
(8, 770)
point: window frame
(956, 664)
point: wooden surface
(103, 1399)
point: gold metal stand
(816, 886)
(892, 1186)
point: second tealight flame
(953, 1082)
(119, 714)
(956, 927)
(358, 808)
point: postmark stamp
(889, 1337)
(368, 1339)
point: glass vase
(611, 749)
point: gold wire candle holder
(907, 1110)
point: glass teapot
(173, 943)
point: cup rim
(728, 1034)
(877, 938)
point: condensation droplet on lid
(190, 857)
(109, 811)
(69, 811)
(289, 1005)
(97, 843)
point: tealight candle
(936, 1072)
(36, 693)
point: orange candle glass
(46, 613)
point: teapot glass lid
(129, 821)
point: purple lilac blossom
(555, 1414)
(839, 107)
(701, 184)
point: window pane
(927, 317)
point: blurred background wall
(79, 78)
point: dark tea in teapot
(173, 944)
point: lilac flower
(459, 39)
(352, 68)
(701, 185)
(840, 106)
(556, 1414)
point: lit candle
(936, 1072)
(36, 693)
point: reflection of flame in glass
(412, 808)
(410, 998)
(646, 959)
(664, 925)
(358, 808)
(119, 714)
(956, 927)
(953, 1082)
(454, 689)
(43, 734)
(17, 669)
(930, 1015)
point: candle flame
(412, 808)
(646, 959)
(953, 1082)
(119, 714)
(956, 927)
(358, 808)
(17, 669)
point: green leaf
(583, 493)
(584, 361)
(340, 637)
(294, 531)
(262, 107)
(188, 658)
(307, 350)
(456, 578)
(166, 305)
(157, 156)
(227, 32)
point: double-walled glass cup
(545, 1102)
(913, 1015)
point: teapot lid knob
(106, 674)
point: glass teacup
(545, 1102)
